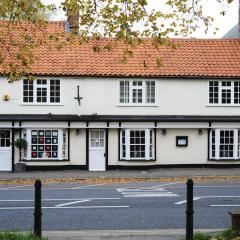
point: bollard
(189, 210)
(38, 209)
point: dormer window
(41, 91)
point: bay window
(225, 144)
(137, 144)
(137, 92)
(46, 144)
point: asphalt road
(118, 206)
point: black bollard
(189, 210)
(38, 209)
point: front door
(97, 156)
(5, 150)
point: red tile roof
(192, 58)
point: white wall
(100, 95)
(78, 147)
(167, 153)
(195, 153)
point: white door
(5, 150)
(97, 159)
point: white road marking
(88, 186)
(225, 205)
(151, 191)
(184, 201)
(79, 207)
(146, 192)
(21, 186)
(205, 197)
(56, 199)
(70, 203)
(166, 184)
(151, 195)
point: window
(27, 91)
(137, 144)
(224, 92)
(48, 144)
(137, 92)
(225, 144)
(41, 91)
(5, 140)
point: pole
(38, 209)
(189, 210)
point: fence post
(189, 210)
(38, 209)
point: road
(118, 206)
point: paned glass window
(237, 92)
(5, 140)
(213, 144)
(54, 91)
(124, 92)
(27, 91)
(44, 144)
(137, 92)
(225, 144)
(41, 91)
(137, 144)
(97, 138)
(224, 92)
(150, 92)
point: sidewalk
(132, 174)
(164, 234)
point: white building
(86, 110)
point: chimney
(73, 23)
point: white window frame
(147, 145)
(236, 144)
(220, 89)
(130, 93)
(61, 145)
(35, 86)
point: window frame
(221, 88)
(150, 137)
(48, 95)
(236, 145)
(131, 88)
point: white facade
(67, 142)
(101, 96)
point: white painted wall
(100, 95)
(167, 153)
(78, 147)
(195, 153)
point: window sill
(137, 105)
(44, 160)
(137, 160)
(42, 104)
(223, 105)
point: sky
(211, 7)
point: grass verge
(228, 234)
(18, 236)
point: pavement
(133, 174)
(169, 234)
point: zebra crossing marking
(156, 191)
